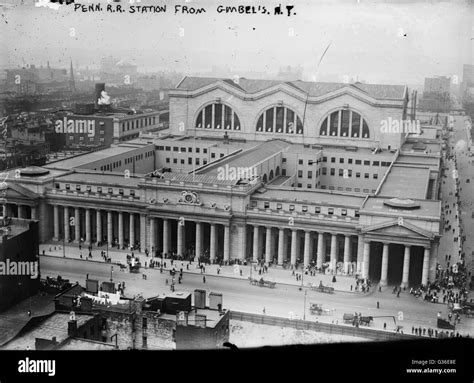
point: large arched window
(279, 119)
(344, 123)
(217, 116)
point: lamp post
(111, 271)
(304, 307)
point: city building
(331, 174)
(19, 265)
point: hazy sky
(367, 37)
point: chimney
(72, 328)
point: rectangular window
(300, 173)
(279, 206)
(88, 188)
(356, 213)
(99, 189)
(330, 210)
(310, 174)
(343, 211)
(309, 186)
(300, 162)
(144, 322)
(349, 161)
(358, 162)
(317, 210)
(341, 160)
(366, 190)
(168, 148)
(190, 150)
(283, 172)
(366, 162)
(175, 149)
(333, 159)
(56, 186)
(333, 171)
(204, 150)
(78, 187)
(190, 161)
(167, 160)
(292, 207)
(325, 170)
(341, 172)
(375, 163)
(175, 160)
(304, 209)
(283, 160)
(366, 175)
(197, 161)
(266, 205)
(325, 159)
(132, 193)
(144, 341)
(198, 150)
(213, 155)
(68, 187)
(376, 176)
(182, 161)
(121, 191)
(310, 162)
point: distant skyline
(378, 41)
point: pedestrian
(380, 289)
(264, 311)
(203, 279)
(351, 287)
(398, 294)
(412, 329)
(378, 304)
(29, 313)
(385, 326)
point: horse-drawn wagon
(262, 283)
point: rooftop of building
(316, 196)
(315, 89)
(422, 147)
(418, 160)
(103, 178)
(13, 227)
(427, 208)
(55, 325)
(406, 182)
(75, 162)
(248, 158)
(212, 316)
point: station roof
(315, 89)
(105, 178)
(310, 196)
(75, 162)
(428, 208)
(406, 182)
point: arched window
(217, 116)
(279, 119)
(344, 123)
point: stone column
(198, 245)
(152, 235)
(383, 274)
(281, 246)
(132, 228)
(120, 229)
(360, 254)
(34, 212)
(142, 233)
(426, 266)
(5, 210)
(268, 245)
(56, 222)
(77, 225)
(307, 248)
(433, 261)
(110, 233)
(320, 256)
(333, 252)
(365, 269)
(347, 253)
(294, 234)
(213, 242)
(406, 266)
(88, 226)
(67, 234)
(20, 211)
(255, 243)
(180, 237)
(226, 242)
(166, 236)
(99, 225)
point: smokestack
(99, 87)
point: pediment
(400, 228)
(10, 191)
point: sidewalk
(275, 273)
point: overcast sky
(367, 38)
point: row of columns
(406, 264)
(308, 248)
(143, 218)
(21, 209)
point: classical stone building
(292, 172)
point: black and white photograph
(191, 176)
